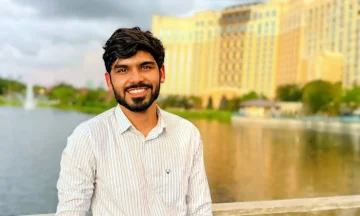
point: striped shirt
(110, 167)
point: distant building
(260, 46)
(258, 108)
(320, 40)
(290, 67)
(333, 26)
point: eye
(146, 67)
(121, 70)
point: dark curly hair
(126, 42)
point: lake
(243, 162)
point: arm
(77, 175)
(198, 197)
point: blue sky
(50, 41)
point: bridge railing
(287, 206)
(282, 206)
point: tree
(63, 92)
(250, 96)
(11, 85)
(210, 103)
(290, 92)
(223, 103)
(351, 98)
(233, 104)
(196, 102)
(321, 95)
(92, 98)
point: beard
(139, 104)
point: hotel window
(255, 16)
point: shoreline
(318, 125)
(209, 115)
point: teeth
(136, 90)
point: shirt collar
(161, 121)
(125, 123)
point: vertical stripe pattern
(110, 167)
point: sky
(53, 41)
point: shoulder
(82, 141)
(94, 124)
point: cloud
(138, 11)
(55, 40)
(90, 67)
(11, 10)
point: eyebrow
(143, 63)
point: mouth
(137, 92)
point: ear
(162, 74)
(108, 81)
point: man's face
(135, 81)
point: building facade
(332, 31)
(261, 49)
(190, 52)
(260, 46)
(291, 36)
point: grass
(221, 116)
(4, 102)
(216, 115)
(84, 109)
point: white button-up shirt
(111, 167)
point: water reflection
(244, 163)
(253, 162)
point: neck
(142, 121)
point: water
(243, 163)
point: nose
(136, 76)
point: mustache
(139, 85)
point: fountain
(29, 102)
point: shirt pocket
(171, 184)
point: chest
(131, 167)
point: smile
(136, 90)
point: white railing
(287, 206)
(282, 206)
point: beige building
(190, 52)
(257, 47)
(177, 36)
(291, 37)
(233, 24)
(261, 49)
(318, 40)
(332, 27)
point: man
(134, 159)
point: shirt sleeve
(198, 197)
(77, 175)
